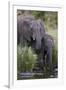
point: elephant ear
(26, 30)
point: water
(38, 75)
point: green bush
(26, 59)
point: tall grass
(26, 59)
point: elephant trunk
(38, 39)
(38, 43)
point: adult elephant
(30, 31)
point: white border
(13, 45)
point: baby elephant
(47, 46)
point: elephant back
(49, 42)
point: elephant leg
(49, 59)
(49, 56)
(44, 57)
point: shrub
(26, 59)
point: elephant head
(30, 29)
(38, 32)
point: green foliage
(51, 20)
(39, 14)
(26, 59)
